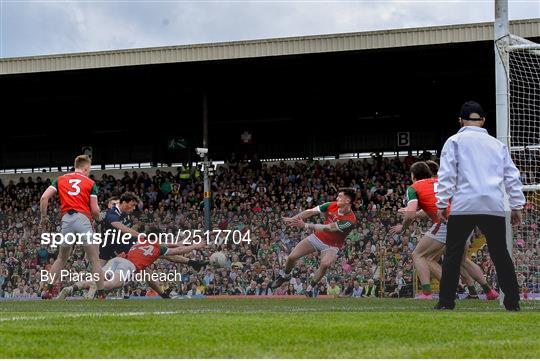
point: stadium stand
(247, 196)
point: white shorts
(438, 232)
(78, 225)
(319, 245)
(120, 267)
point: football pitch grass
(266, 328)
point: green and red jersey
(345, 224)
(144, 254)
(74, 191)
(424, 191)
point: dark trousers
(494, 228)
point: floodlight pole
(207, 193)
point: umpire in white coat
(475, 170)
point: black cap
(469, 108)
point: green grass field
(266, 328)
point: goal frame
(504, 43)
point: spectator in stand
(333, 289)
(264, 290)
(357, 290)
(252, 290)
(281, 290)
(347, 289)
(370, 290)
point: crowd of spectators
(251, 197)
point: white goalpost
(517, 76)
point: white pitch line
(215, 310)
(86, 314)
(199, 311)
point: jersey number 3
(75, 185)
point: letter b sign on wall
(403, 139)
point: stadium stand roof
(277, 101)
(266, 47)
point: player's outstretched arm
(302, 215)
(408, 217)
(339, 226)
(183, 250)
(44, 203)
(176, 258)
(419, 214)
(94, 209)
(125, 229)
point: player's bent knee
(326, 265)
(327, 262)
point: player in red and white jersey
(431, 247)
(78, 205)
(328, 238)
(120, 269)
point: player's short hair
(433, 167)
(129, 197)
(81, 161)
(113, 198)
(420, 170)
(349, 192)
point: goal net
(523, 70)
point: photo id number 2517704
(215, 237)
